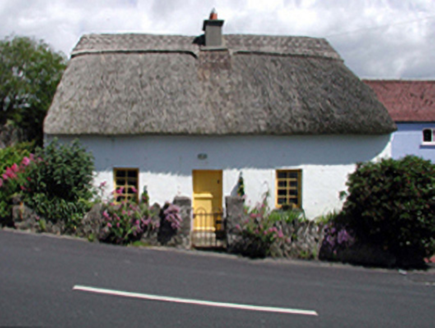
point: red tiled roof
(406, 101)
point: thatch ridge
(148, 84)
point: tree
(29, 74)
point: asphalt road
(38, 273)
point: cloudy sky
(377, 38)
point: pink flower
(1, 182)
(280, 234)
(117, 224)
(23, 188)
(102, 184)
(26, 161)
(109, 225)
(10, 173)
(5, 177)
(134, 190)
(120, 190)
(14, 167)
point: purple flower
(344, 237)
(330, 240)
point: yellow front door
(207, 198)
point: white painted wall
(166, 163)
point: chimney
(213, 30)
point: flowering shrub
(145, 198)
(171, 214)
(337, 238)
(127, 221)
(258, 232)
(14, 154)
(11, 183)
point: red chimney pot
(213, 15)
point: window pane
(282, 192)
(293, 175)
(132, 182)
(282, 175)
(130, 190)
(293, 192)
(282, 183)
(281, 201)
(132, 173)
(120, 182)
(120, 173)
(427, 135)
(293, 184)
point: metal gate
(209, 229)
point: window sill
(427, 144)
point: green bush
(59, 185)
(391, 205)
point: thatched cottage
(187, 115)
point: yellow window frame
(288, 188)
(126, 178)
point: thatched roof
(128, 84)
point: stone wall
(235, 215)
(93, 224)
(303, 238)
(167, 236)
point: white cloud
(376, 38)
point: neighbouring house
(187, 115)
(411, 104)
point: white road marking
(195, 302)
